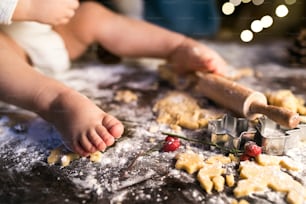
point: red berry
(252, 149)
(170, 138)
(171, 144)
(244, 157)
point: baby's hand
(51, 12)
(194, 56)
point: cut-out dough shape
(210, 173)
(256, 177)
(189, 161)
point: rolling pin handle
(282, 116)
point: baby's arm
(134, 38)
(51, 12)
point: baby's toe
(97, 141)
(107, 138)
(87, 145)
(113, 126)
(77, 148)
(117, 130)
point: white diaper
(43, 45)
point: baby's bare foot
(85, 128)
(191, 55)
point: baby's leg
(85, 128)
(8, 43)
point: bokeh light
(246, 36)
(266, 21)
(290, 2)
(235, 2)
(256, 26)
(258, 2)
(281, 11)
(228, 8)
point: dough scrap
(236, 74)
(65, 159)
(286, 99)
(95, 157)
(178, 109)
(62, 156)
(179, 82)
(125, 96)
(189, 80)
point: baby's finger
(70, 13)
(71, 4)
(63, 21)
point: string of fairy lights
(257, 25)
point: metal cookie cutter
(230, 131)
(276, 140)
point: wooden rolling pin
(243, 101)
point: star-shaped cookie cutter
(230, 131)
